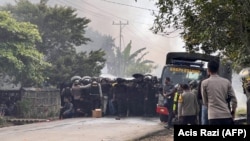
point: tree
(126, 63)
(19, 58)
(80, 64)
(60, 27)
(62, 31)
(99, 41)
(209, 26)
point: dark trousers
(221, 121)
(121, 107)
(111, 107)
(185, 120)
(96, 102)
(64, 114)
(171, 113)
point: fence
(31, 102)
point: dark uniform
(138, 95)
(65, 91)
(120, 96)
(130, 94)
(67, 111)
(149, 104)
(95, 92)
(106, 90)
(168, 92)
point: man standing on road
(203, 117)
(215, 93)
(168, 93)
(188, 108)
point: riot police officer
(120, 96)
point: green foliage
(2, 119)
(241, 112)
(53, 113)
(61, 30)
(23, 108)
(18, 55)
(126, 63)
(80, 64)
(60, 27)
(209, 26)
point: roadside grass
(241, 112)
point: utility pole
(120, 71)
(121, 24)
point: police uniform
(188, 108)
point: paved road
(83, 129)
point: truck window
(179, 74)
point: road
(83, 129)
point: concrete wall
(39, 103)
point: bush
(23, 108)
(241, 112)
(2, 119)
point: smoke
(237, 86)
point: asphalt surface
(84, 129)
(164, 135)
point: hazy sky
(137, 17)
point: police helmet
(76, 82)
(138, 75)
(120, 80)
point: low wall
(39, 103)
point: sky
(137, 19)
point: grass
(2, 119)
(241, 112)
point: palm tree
(125, 63)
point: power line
(143, 8)
(84, 9)
(95, 13)
(103, 11)
(111, 13)
(148, 41)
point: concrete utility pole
(120, 66)
(121, 24)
